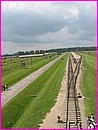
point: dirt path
(18, 87)
(59, 108)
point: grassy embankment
(14, 75)
(88, 83)
(26, 111)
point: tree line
(59, 50)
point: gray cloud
(21, 24)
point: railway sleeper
(72, 113)
(73, 110)
(79, 115)
(74, 123)
(72, 120)
(71, 117)
(72, 99)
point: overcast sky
(45, 25)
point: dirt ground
(59, 108)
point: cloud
(51, 24)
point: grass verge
(88, 83)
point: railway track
(73, 115)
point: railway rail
(73, 115)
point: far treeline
(59, 50)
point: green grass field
(13, 64)
(88, 82)
(14, 75)
(26, 111)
